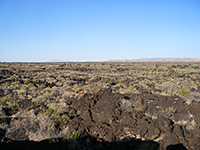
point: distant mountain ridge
(159, 60)
(154, 58)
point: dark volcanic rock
(1, 92)
(112, 117)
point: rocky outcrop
(113, 117)
(100, 106)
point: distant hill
(159, 60)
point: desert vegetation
(101, 105)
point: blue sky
(95, 30)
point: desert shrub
(72, 90)
(164, 75)
(5, 99)
(133, 77)
(45, 91)
(26, 82)
(156, 65)
(13, 107)
(122, 85)
(184, 91)
(94, 90)
(197, 83)
(169, 91)
(51, 111)
(108, 80)
(87, 65)
(62, 65)
(45, 97)
(72, 140)
(73, 137)
(21, 93)
(172, 72)
(170, 111)
(61, 120)
(196, 67)
(129, 90)
(26, 88)
(160, 70)
(173, 66)
(140, 106)
(79, 89)
(15, 83)
(182, 66)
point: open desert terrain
(102, 105)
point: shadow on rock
(85, 142)
(176, 147)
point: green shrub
(122, 85)
(26, 88)
(73, 137)
(13, 107)
(196, 67)
(51, 111)
(156, 65)
(5, 99)
(173, 66)
(108, 80)
(164, 75)
(172, 72)
(62, 65)
(184, 91)
(79, 89)
(61, 120)
(26, 82)
(94, 90)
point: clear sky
(95, 30)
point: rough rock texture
(99, 106)
(112, 117)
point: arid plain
(102, 105)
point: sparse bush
(73, 137)
(13, 107)
(133, 78)
(62, 65)
(169, 91)
(184, 91)
(140, 106)
(164, 75)
(61, 120)
(122, 85)
(170, 111)
(108, 80)
(79, 89)
(51, 111)
(26, 88)
(196, 67)
(15, 83)
(88, 65)
(5, 99)
(173, 66)
(26, 82)
(172, 72)
(94, 90)
(129, 90)
(156, 65)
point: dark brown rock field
(105, 105)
